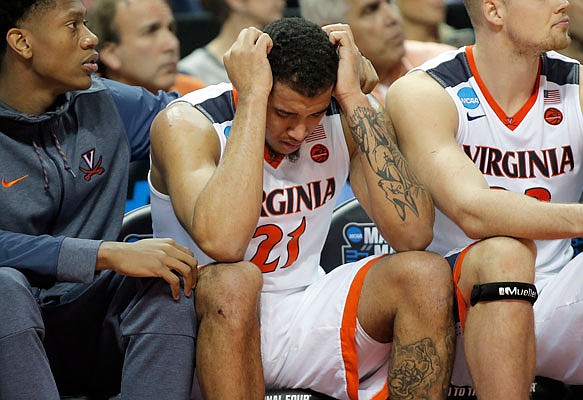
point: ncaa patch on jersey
(468, 97)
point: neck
(512, 88)
(23, 93)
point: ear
(493, 11)
(18, 40)
(109, 57)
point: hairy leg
(407, 300)
(228, 357)
(499, 335)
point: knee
(229, 290)
(18, 307)
(432, 275)
(501, 259)
(424, 274)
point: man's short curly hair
(302, 56)
(14, 11)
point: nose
(170, 41)
(89, 40)
(298, 132)
(390, 12)
(564, 6)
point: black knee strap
(504, 291)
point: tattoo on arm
(414, 369)
(401, 187)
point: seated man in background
(424, 20)
(206, 63)
(378, 33)
(247, 175)
(73, 307)
(138, 44)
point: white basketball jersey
(298, 197)
(536, 152)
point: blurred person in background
(206, 63)
(575, 48)
(378, 33)
(425, 20)
(138, 44)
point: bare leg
(228, 357)
(499, 335)
(407, 299)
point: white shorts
(558, 317)
(311, 338)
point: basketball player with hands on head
(499, 148)
(238, 177)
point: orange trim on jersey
(235, 97)
(511, 122)
(348, 332)
(274, 162)
(462, 307)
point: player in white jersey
(249, 173)
(499, 147)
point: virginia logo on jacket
(93, 168)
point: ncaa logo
(468, 97)
(354, 234)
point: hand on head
(356, 75)
(246, 62)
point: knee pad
(504, 291)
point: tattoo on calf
(401, 188)
(414, 369)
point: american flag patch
(317, 134)
(552, 96)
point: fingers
(181, 260)
(173, 281)
(338, 33)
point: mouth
(563, 22)
(90, 64)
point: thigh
(309, 337)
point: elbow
(417, 238)
(473, 227)
(219, 248)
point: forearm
(398, 203)
(487, 212)
(45, 259)
(228, 208)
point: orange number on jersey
(539, 193)
(273, 235)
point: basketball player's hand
(247, 65)
(353, 70)
(160, 258)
